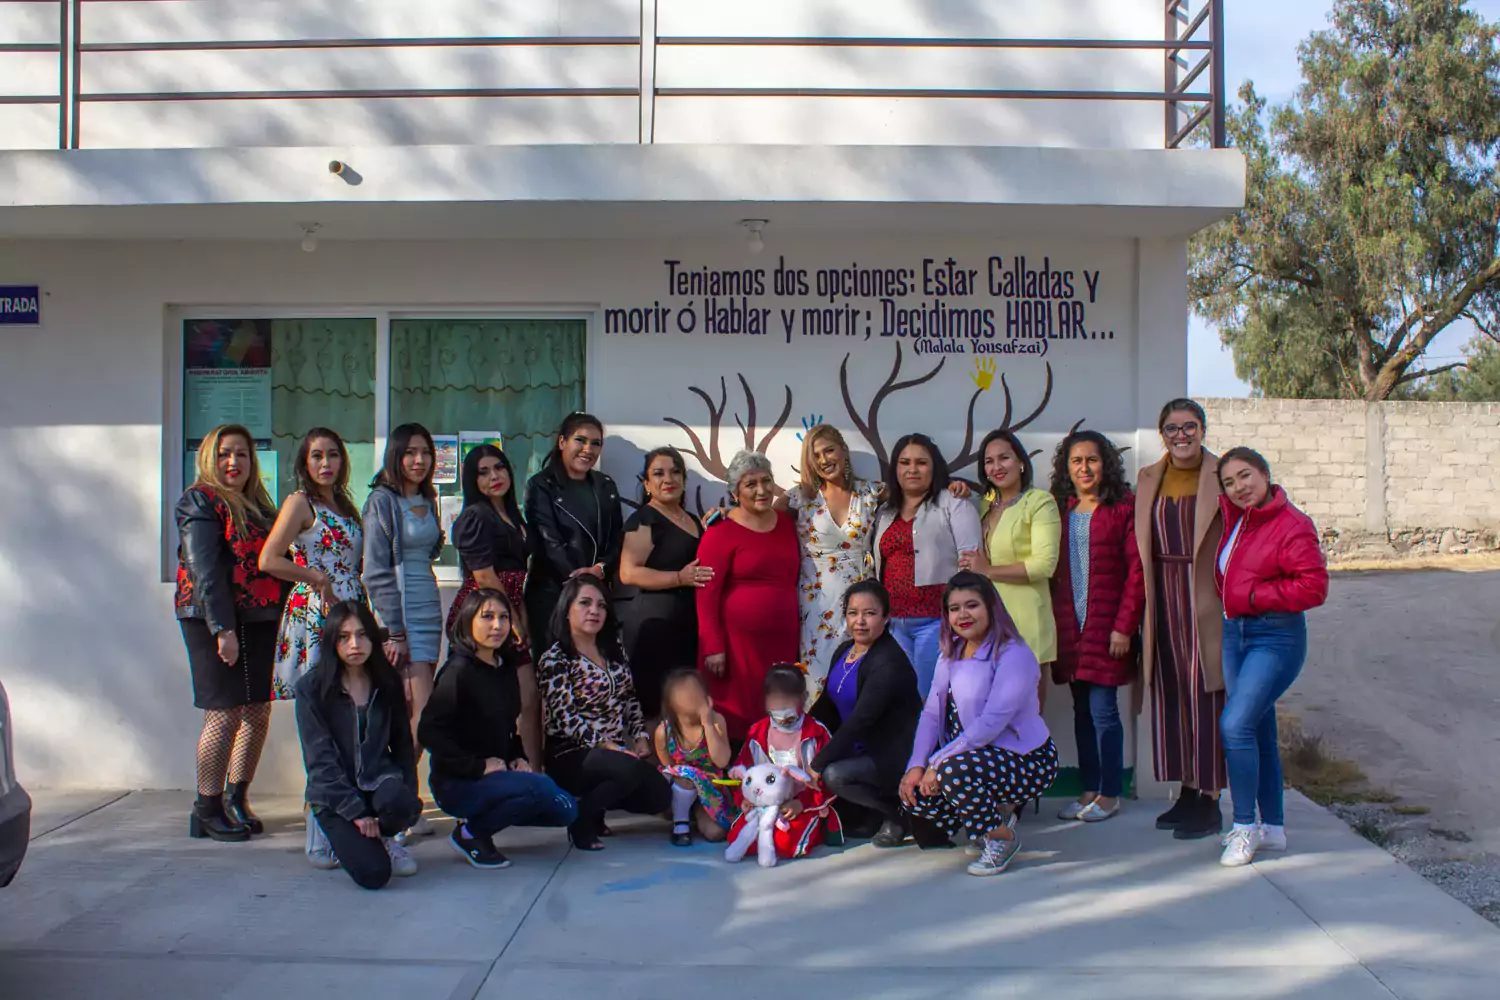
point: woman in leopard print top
(597, 743)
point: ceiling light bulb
(757, 242)
(754, 238)
(310, 236)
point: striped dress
(1184, 718)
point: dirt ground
(1403, 677)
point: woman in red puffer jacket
(1270, 571)
(1098, 597)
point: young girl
(357, 746)
(692, 743)
(790, 738)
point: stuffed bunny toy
(766, 787)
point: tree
(1477, 382)
(1372, 205)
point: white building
(973, 212)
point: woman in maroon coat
(1098, 596)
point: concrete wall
(1378, 478)
(568, 71)
(90, 420)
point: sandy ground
(1403, 677)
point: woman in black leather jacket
(573, 512)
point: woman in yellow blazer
(1021, 531)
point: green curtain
(516, 376)
(323, 375)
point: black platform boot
(1182, 811)
(208, 820)
(237, 807)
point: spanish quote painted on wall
(1010, 305)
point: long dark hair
(1028, 474)
(1002, 626)
(609, 636)
(570, 424)
(342, 501)
(462, 635)
(873, 587)
(667, 451)
(1249, 456)
(940, 474)
(1112, 484)
(390, 474)
(330, 668)
(472, 495)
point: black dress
(660, 627)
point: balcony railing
(629, 70)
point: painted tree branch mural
(868, 422)
(711, 456)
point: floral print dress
(335, 545)
(697, 765)
(834, 558)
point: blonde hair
(253, 499)
(811, 481)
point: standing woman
(920, 531)
(490, 534)
(598, 747)
(321, 527)
(1270, 571)
(227, 609)
(747, 611)
(403, 538)
(1097, 600)
(573, 513)
(1021, 532)
(1178, 527)
(659, 575)
(835, 524)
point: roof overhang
(612, 191)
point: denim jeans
(1100, 737)
(1263, 654)
(505, 798)
(918, 639)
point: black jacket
(471, 717)
(563, 539)
(885, 712)
(340, 766)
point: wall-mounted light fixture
(310, 235)
(753, 230)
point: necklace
(679, 517)
(851, 668)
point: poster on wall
(215, 396)
(469, 440)
(445, 459)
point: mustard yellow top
(1178, 483)
(1029, 531)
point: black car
(15, 804)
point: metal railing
(1188, 56)
(1175, 97)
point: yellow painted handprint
(984, 373)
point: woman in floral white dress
(835, 514)
(321, 526)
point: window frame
(171, 478)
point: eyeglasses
(1188, 429)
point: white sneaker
(995, 857)
(319, 850)
(1273, 838)
(975, 846)
(1070, 811)
(403, 864)
(1240, 845)
(421, 828)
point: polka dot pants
(973, 786)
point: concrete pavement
(115, 901)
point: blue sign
(20, 305)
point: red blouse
(898, 571)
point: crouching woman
(357, 747)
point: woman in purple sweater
(981, 745)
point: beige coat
(1208, 527)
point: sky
(1260, 42)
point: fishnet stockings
(230, 744)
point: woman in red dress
(747, 613)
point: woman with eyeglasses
(1178, 526)
(573, 512)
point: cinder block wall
(1378, 477)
